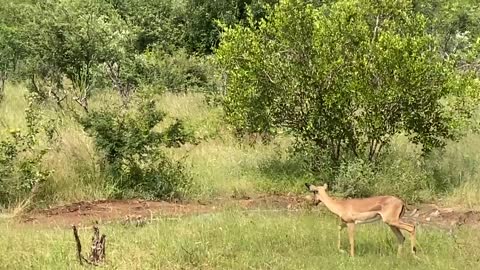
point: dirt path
(137, 211)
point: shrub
(179, 72)
(21, 170)
(132, 150)
(402, 171)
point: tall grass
(205, 121)
(223, 166)
(12, 108)
(239, 240)
(71, 158)
(459, 165)
(76, 173)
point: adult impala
(357, 211)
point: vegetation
(191, 99)
(197, 99)
(347, 80)
(131, 149)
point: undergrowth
(222, 165)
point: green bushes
(132, 149)
(22, 171)
(344, 78)
(179, 72)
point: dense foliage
(345, 76)
(131, 147)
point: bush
(201, 29)
(21, 170)
(179, 72)
(402, 171)
(355, 179)
(131, 148)
(160, 22)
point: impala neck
(330, 202)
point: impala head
(315, 190)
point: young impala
(357, 211)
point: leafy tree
(73, 40)
(345, 76)
(201, 30)
(12, 48)
(160, 23)
(456, 23)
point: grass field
(239, 240)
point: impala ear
(307, 185)
(325, 186)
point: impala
(357, 211)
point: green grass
(228, 168)
(12, 108)
(239, 240)
(223, 166)
(459, 166)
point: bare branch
(375, 30)
(79, 245)
(82, 102)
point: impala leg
(411, 230)
(340, 228)
(351, 238)
(400, 238)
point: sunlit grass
(239, 240)
(12, 108)
(459, 165)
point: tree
(455, 23)
(73, 40)
(160, 23)
(346, 76)
(12, 48)
(201, 29)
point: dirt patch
(86, 213)
(447, 218)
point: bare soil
(139, 211)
